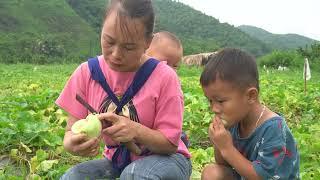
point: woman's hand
(122, 128)
(219, 136)
(81, 145)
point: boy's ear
(148, 42)
(252, 94)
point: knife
(130, 145)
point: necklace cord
(262, 112)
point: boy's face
(166, 51)
(227, 101)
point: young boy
(165, 46)
(258, 143)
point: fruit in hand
(91, 126)
(224, 122)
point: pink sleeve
(75, 85)
(169, 109)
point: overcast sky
(276, 16)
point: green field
(32, 127)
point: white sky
(276, 16)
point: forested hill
(33, 30)
(198, 31)
(194, 26)
(277, 41)
(37, 30)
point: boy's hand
(122, 129)
(219, 136)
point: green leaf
(47, 165)
(14, 153)
(34, 177)
(26, 147)
(195, 175)
(41, 155)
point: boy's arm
(243, 166)
(222, 140)
(218, 157)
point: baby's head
(230, 81)
(165, 46)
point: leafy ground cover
(32, 127)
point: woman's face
(123, 42)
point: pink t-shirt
(158, 104)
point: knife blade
(85, 104)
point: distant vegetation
(277, 41)
(293, 58)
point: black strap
(139, 79)
(121, 157)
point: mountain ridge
(36, 29)
(278, 41)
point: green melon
(91, 126)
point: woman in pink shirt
(152, 118)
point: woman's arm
(125, 130)
(154, 140)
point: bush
(281, 58)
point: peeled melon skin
(91, 126)
(224, 122)
(78, 126)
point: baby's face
(172, 55)
(166, 52)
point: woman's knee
(158, 167)
(90, 170)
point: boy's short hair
(168, 35)
(231, 65)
